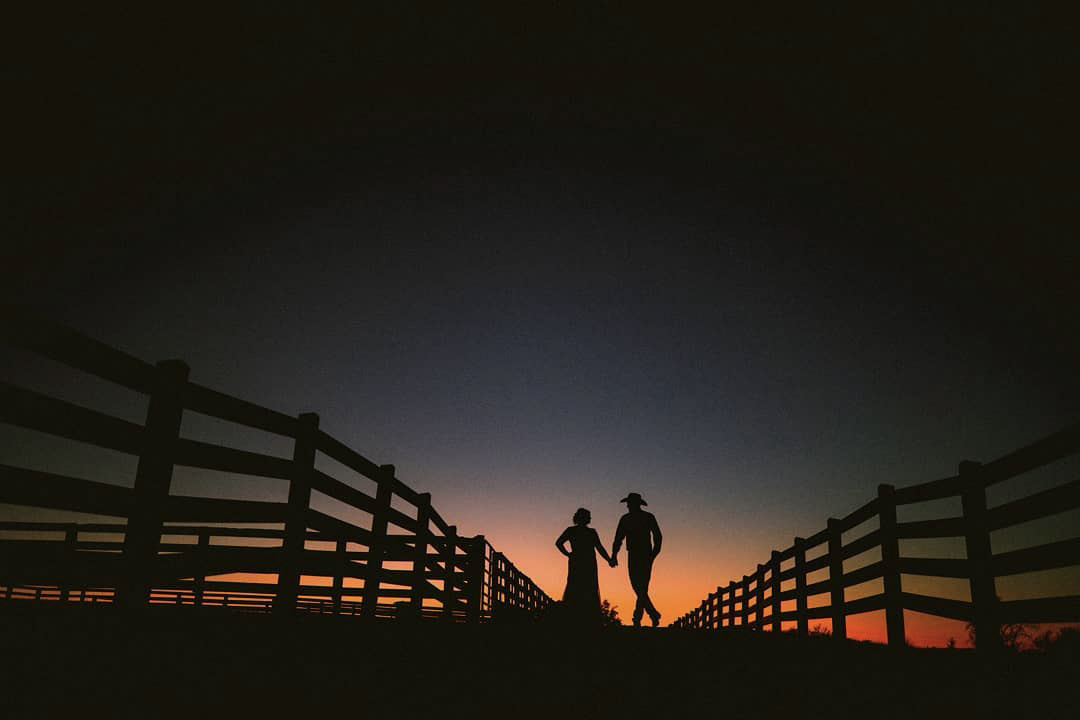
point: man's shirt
(640, 531)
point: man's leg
(639, 610)
(640, 574)
(639, 606)
(647, 605)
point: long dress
(582, 594)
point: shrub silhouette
(1063, 643)
(1013, 635)
(609, 614)
(558, 614)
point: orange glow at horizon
(921, 630)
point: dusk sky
(749, 269)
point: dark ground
(101, 664)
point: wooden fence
(755, 601)
(174, 549)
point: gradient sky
(750, 274)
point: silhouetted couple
(642, 535)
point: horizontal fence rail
(247, 555)
(755, 602)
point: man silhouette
(643, 539)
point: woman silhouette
(582, 594)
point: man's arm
(658, 539)
(620, 534)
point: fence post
(731, 604)
(802, 620)
(498, 581)
(984, 602)
(71, 540)
(292, 548)
(507, 581)
(152, 479)
(890, 560)
(419, 569)
(377, 544)
(774, 581)
(449, 558)
(504, 580)
(836, 581)
(516, 576)
(339, 578)
(202, 552)
(745, 610)
(489, 580)
(475, 584)
(759, 599)
(516, 585)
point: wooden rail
(980, 567)
(189, 551)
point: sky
(750, 267)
